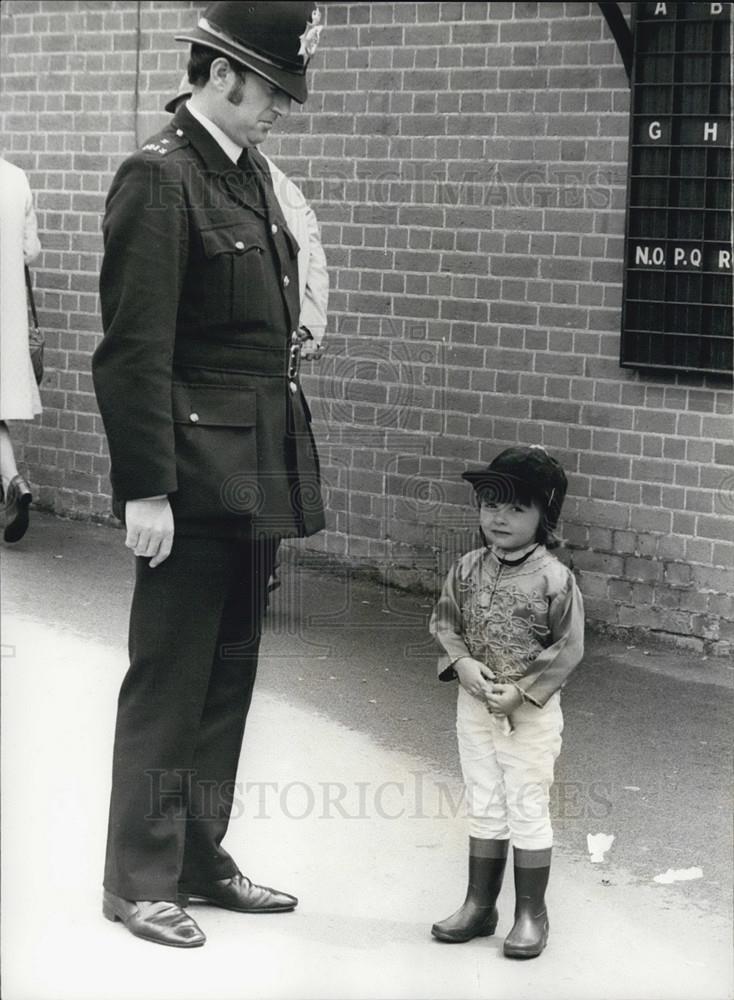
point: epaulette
(165, 142)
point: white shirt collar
(231, 148)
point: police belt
(240, 357)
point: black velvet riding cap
(532, 470)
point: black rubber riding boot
(478, 916)
(529, 934)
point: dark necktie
(250, 180)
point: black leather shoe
(238, 893)
(158, 921)
(17, 502)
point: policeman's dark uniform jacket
(197, 383)
(195, 377)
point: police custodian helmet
(275, 40)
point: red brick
(643, 569)
(512, 312)
(723, 554)
(606, 416)
(678, 574)
(684, 524)
(543, 410)
(568, 364)
(724, 453)
(598, 513)
(526, 267)
(715, 527)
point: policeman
(313, 276)
(212, 457)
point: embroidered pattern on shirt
(504, 623)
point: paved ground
(350, 768)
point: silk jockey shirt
(524, 622)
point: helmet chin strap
(506, 562)
(516, 562)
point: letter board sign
(677, 305)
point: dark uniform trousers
(195, 629)
(199, 393)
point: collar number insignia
(310, 38)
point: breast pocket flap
(231, 240)
(213, 406)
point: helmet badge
(310, 38)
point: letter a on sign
(661, 8)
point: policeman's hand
(311, 351)
(504, 699)
(474, 676)
(150, 528)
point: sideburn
(237, 92)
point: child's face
(509, 526)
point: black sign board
(677, 311)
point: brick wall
(467, 162)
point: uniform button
(239, 245)
(293, 387)
(273, 229)
(179, 133)
(194, 418)
(286, 281)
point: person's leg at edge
(8, 465)
(15, 490)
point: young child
(510, 624)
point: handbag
(36, 340)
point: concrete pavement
(350, 770)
